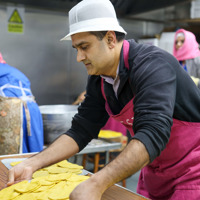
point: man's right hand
(20, 172)
(58, 152)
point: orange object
(3, 113)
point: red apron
(175, 174)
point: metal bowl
(56, 120)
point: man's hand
(19, 173)
(87, 190)
(125, 164)
(62, 148)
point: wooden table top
(113, 193)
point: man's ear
(111, 39)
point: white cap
(93, 15)
(180, 34)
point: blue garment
(184, 66)
(14, 83)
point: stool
(94, 160)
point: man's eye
(84, 47)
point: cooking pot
(56, 120)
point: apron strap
(102, 89)
(24, 97)
(28, 117)
(125, 55)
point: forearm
(63, 148)
(132, 159)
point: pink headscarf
(190, 48)
(1, 59)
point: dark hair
(101, 34)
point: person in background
(80, 98)
(186, 51)
(144, 88)
(13, 83)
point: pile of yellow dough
(109, 134)
(55, 182)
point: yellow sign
(15, 17)
(15, 22)
(15, 28)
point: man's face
(94, 53)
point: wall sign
(15, 19)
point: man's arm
(132, 159)
(63, 148)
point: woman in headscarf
(186, 50)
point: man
(142, 87)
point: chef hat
(93, 15)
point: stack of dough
(55, 182)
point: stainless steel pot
(56, 120)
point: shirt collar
(109, 79)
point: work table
(115, 192)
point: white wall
(51, 66)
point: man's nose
(80, 56)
